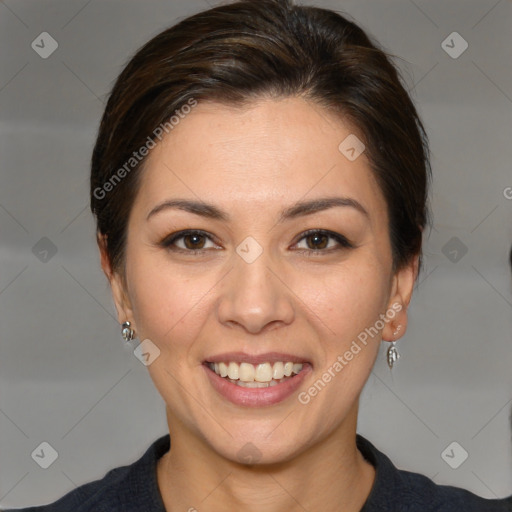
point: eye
(194, 241)
(317, 240)
(190, 241)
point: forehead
(267, 153)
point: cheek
(167, 304)
(347, 307)
(346, 299)
(170, 304)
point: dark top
(134, 488)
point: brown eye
(324, 241)
(194, 241)
(318, 241)
(187, 241)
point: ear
(401, 292)
(117, 284)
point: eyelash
(168, 242)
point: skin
(300, 296)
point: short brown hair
(246, 50)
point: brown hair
(236, 53)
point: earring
(392, 354)
(127, 332)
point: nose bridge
(252, 273)
(253, 296)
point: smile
(256, 376)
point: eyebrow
(300, 209)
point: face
(277, 252)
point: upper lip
(267, 357)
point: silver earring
(392, 355)
(127, 332)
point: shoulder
(127, 488)
(406, 491)
(418, 491)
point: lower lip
(256, 397)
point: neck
(330, 476)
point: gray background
(65, 376)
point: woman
(259, 182)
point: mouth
(256, 380)
(262, 375)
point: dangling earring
(392, 354)
(127, 332)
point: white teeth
(263, 372)
(288, 368)
(296, 368)
(245, 372)
(252, 384)
(233, 371)
(278, 372)
(255, 384)
(223, 370)
(250, 375)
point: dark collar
(385, 472)
(393, 489)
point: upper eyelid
(171, 239)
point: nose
(255, 297)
